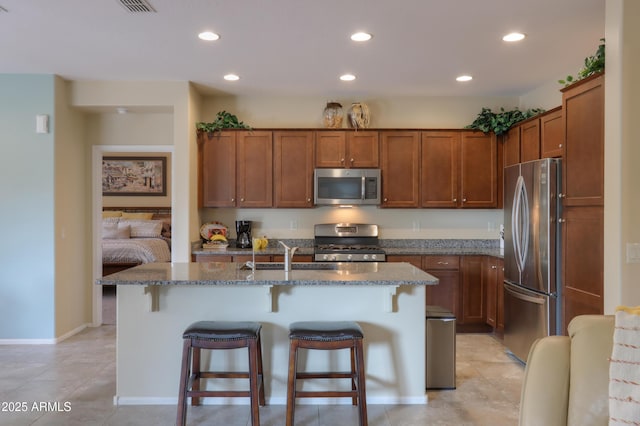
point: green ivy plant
(592, 65)
(224, 120)
(498, 123)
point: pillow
(141, 216)
(624, 368)
(115, 231)
(144, 228)
(111, 213)
(110, 220)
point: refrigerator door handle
(520, 223)
(519, 295)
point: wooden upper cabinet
(347, 149)
(440, 158)
(254, 171)
(217, 169)
(551, 135)
(400, 166)
(511, 146)
(293, 169)
(530, 140)
(583, 165)
(331, 148)
(363, 149)
(478, 170)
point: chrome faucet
(288, 255)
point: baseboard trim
(44, 341)
(376, 400)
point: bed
(133, 236)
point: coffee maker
(243, 231)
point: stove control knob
(334, 258)
(366, 257)
(325, 257)
(349, 257)
(373, 257)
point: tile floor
(81, 372)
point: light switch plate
(633, 252)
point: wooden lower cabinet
(472, 294)
(494, 276)
(583, 277)
(462, 288)
(445, 294)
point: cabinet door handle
(386, 199)
(464, 200)
(351, 160)
(443, 263)
(455, 200)
(560, 145)
(242, 200)
(233, 200)
(561, 195)
(308, 200)
(561, 220)
(494, 267)
(342, 160)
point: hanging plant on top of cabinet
(224, 120)
(498, 123)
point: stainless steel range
(347, 242)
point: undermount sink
(313, 266)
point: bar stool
(215, 335)
(327, 335)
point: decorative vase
(359, 115)
(332, 115)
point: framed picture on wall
(139, 176)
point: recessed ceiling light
(208, 36)
(513, 37)
(347, 77)
(361, 36)
(464, 78)
(231, 77)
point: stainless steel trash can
(441, 348)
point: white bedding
(135, 250)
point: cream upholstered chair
(566, 379)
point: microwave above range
(346, 186)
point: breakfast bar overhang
(157, 301)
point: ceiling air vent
(136, 6)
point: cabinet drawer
(441, 262)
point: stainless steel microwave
(346, 186)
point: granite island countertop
(304, 274)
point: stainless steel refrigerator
(532, 297)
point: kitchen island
(157, 301)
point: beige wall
(395, 112)
(622, 152)
(72, 271)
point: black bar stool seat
(327, 335)
(220, 335)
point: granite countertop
(398, 247)
(231, 273)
